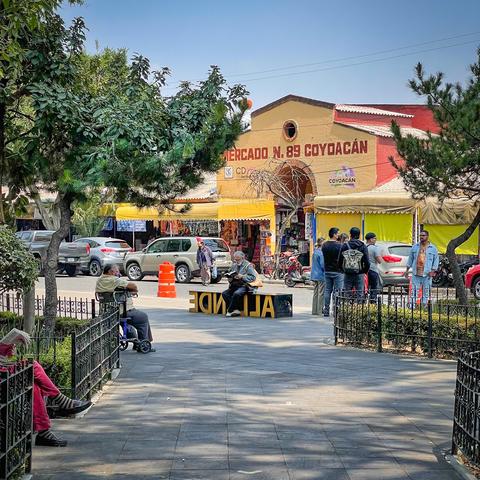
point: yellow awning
(246, 209)
(198, 211)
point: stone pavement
(260, 399)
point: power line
(337, 67)
(334, 67)
(380, 52)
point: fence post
(430, 329)
(8, 302)
(93, 308)
(379, 325)
(335, 310)
(389, 295)
(74, 365)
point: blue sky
(249, 37)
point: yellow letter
(219, 303)
(203, 308)
(268, 307)
(256, 312)
(194, 302)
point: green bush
(405, 329)
(57, 361)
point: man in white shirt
(374, 281)
(111, 280)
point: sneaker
(79, 406)
(50, 441)
(236, 313)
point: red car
(472, 280)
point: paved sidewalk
(260, 399)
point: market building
(345, 151)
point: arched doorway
(298, 186)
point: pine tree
(446, 165)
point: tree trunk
(29, 310)
(50, 268)
(452, 258)
(50, 216)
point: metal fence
(466, 418)
(80, 308)
(16, 402)
(81, 361)
(387, 321)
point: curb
(459, 467)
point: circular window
(290, 130)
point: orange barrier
(166, 281)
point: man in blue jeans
(333, 270)
(423, 260)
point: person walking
(205, 261)
(333, 269)
(374, 281)
(423, 260)
(355, 264)
(318, 277)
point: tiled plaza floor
(260, 399)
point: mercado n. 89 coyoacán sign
(307, 150)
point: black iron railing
(80, 308)
(466, 417)
(388, 321)
(16, 402)
(80, 362)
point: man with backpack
(355, 263)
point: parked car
(394, 263)
(103, 251)
(472, 280)
(71, 256)
(181, 252)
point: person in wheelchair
(240, 277)
(110, 281)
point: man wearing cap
(374, 281)
(205, 261)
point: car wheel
(476, 288)
(95, 269)
(71, 270)
(216, 279)
(134, 272)
(289, 282)
(182, 273)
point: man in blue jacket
(318, 277)
(423, 260)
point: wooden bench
(263, 305)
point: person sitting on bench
(108, 282)
(243, 272)
(44, 387)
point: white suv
(181, 252)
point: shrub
(453, 327)
(18, 268)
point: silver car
(181, 252)
(103, 251)
(394, 263)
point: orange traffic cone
(166, 281)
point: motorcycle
(296, 273)
(444, 276)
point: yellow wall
(394, 227)
(315, 126)
(343, 221)
(440, 235)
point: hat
(199, 239)
(370, 235)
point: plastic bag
(214, 272)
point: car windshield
(401, 250)
(43, 236)
(216, 244)
(117, 244)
